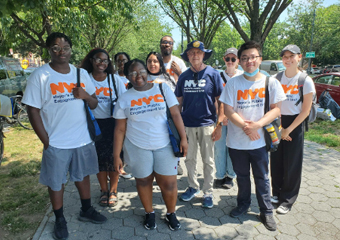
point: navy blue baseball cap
(200, 46)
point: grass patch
(23, 201)
(325, 132)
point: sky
(176, 32)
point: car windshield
(281, 67)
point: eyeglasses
(134, 73)
(99, 60)
(58, 49)
(227, 59)
(167, 42)
(122, 61)
(251, 58)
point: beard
(166, 52)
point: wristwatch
(219, 123)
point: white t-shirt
(290, 87)
(63, 116)
(146, 116)
(161, 79)
(124, 80)
(247, 99)
(102, 111)
(237, 73)
(180, 63)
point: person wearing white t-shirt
(141, 129)
(157, 72)
(108, 87)
(120, 59)
(286, 162)
(173, 65)
(56, 110)
(224, 167)
(243, 99)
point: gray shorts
(79, 162)
(142, 163)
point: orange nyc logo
(106, 91)
(139, 102)
(61, 86)
(171, 73)
(292, 88)
(248, 92)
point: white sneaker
(126, 175)
(282, 210)
(274, 199)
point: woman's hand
(118, 165)
(184, 146)
(285, 134)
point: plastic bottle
(271, 130)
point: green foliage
(326, 30)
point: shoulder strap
(301, 82)
(78, 77)
(279, 76)
(115, 88)
(266, 98)
(167, 108)
(223, 77)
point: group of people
(220, 113)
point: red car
(330, 82)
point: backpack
(301, 82)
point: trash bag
(326, 101)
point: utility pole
(311, 45)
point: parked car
(12, 77)
(331, 68)
(272, 66)
(315, 70)
(330, 82)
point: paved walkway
(315, 215)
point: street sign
(310, 54)
(24, 63)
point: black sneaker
(173, 222)
(150, 221)
(239, 210)
(179, 169)
(268, 221)
(91, 215)
(218, 183)
(60, 229)
(228, 183)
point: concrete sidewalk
(315, 215)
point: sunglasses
(227, 59)
(196, 78)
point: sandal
(113, 201)
(103, 200)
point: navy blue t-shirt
(199, 96)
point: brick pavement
(315, 215)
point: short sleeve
(227, 95)
(308, 86)
(85, 78)
(119, 112)
(178, 90)
(276, 92)
(219, 84)
(32, 95)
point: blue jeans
(258, 159)
(223, 164)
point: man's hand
(175, 68)
(217, 133)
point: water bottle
(271, 130)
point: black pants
(286, 164)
